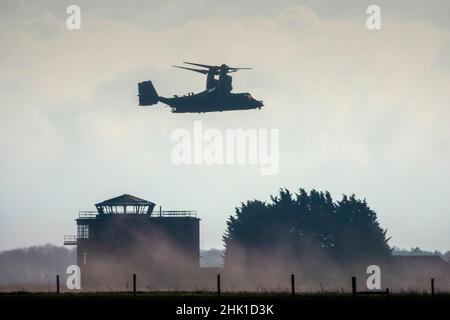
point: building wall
(117, 246)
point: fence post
(354, 286)
(218, 285)
(134, 284)
(293, 286)
(57, 283)
(432, 287)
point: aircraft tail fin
(147, 94)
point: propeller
(202, 65)
(192, 69)
(217, 69)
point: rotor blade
(236, 69)
(191, 69)
(202, 65)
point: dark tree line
(36, 261)
(297, 227)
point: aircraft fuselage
(210, 101)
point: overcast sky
(359, 111)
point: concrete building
(126, 236)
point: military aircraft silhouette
(216, 97)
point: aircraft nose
(261, 103)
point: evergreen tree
(303, 225)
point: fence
(226, 283)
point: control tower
(125, 236)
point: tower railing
(174, 213)
(70, 240)
(87, 214)
(155, 213)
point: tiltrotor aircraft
(216, 97)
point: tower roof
(126, 200)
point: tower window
(83, 232)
